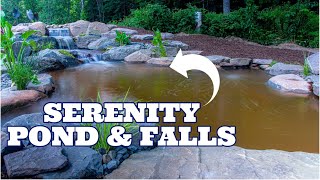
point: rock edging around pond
(12, 98)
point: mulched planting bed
(234, 47)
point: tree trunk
(226, 6)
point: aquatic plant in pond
(157, 41)
(104, 129)
(122, 38)
(21, 73)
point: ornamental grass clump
(21, 73)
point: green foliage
(184, 20)
(122, 38)
(157, 41)
(104, 129)
(273, 63)
(46, 45)
(306, 69)
(152, 16)
(66, 53)
(21, 73)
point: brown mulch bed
(238, 48)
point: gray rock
(137, 57)
(112, 165)
(109, 35)
(46, 85)
(263, 67)
(102, 44)
(125, 30)
(177, 44)
(313, 63)
(45, 64)
(290, 83)
(216, 59)
(84, 162)
(262, 61)
(240, 61)
(119, 53)
(5, 149)
(79, 27)
(112, 154)
(314, 79)
(106, 158)
(5, 81)
(163, 61)
(97, 28)
(217, 163)
(281, 68)
(143, 37)
(65, 60)
(167, 35)
(16, 49)
(34, 160)
(191, 52)
(82, 42)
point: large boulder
(281, 68)
(125, 30)
(5, 149)
(82, 42)
(83, 162)
(45, 64)
(79, 27)
(40, 27)
(102, 44)
(20, 28)
(162, 61)
(119, 53)
(177, 44)
(34, 160)
(313, 63)
(13, 99)
(290, 83)
(97, 28)
(137, 57)
(64, 57)
(46, 85)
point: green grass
(66, 53)
(104, 129)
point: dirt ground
(236, 47)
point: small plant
(122, 38)
(47, 45)
(21, 73)
(306, 69)
(273, 63)
(104, 129)
(66, 53)
(157, 41)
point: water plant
(105, 128)
(157, 41)
(21, 73)
(66, 53)
(122, 38)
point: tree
(226, 6)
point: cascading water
(62, 35)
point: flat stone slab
(143, 37)
(216, 59)
(217, 162)
(12, 99)
(163, 61)
(137, 57)
(125, 30)
(290, 83)
(313, 63)
(240, 61)
(177, 44)
(262, 61)
(281, 68)
(191, 52)
(34, 160)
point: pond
(264, 118)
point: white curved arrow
(182, 64)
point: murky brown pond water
(264, 118)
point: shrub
(157, 41)
(21, 73)
(152, 16)
(184, 20)
(66, 53)
(122, 38)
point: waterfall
(62, 35)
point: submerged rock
(83, 162)
(34, 160)
(313, 63)
(290, 83)
(119, 53)
(281, 68)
